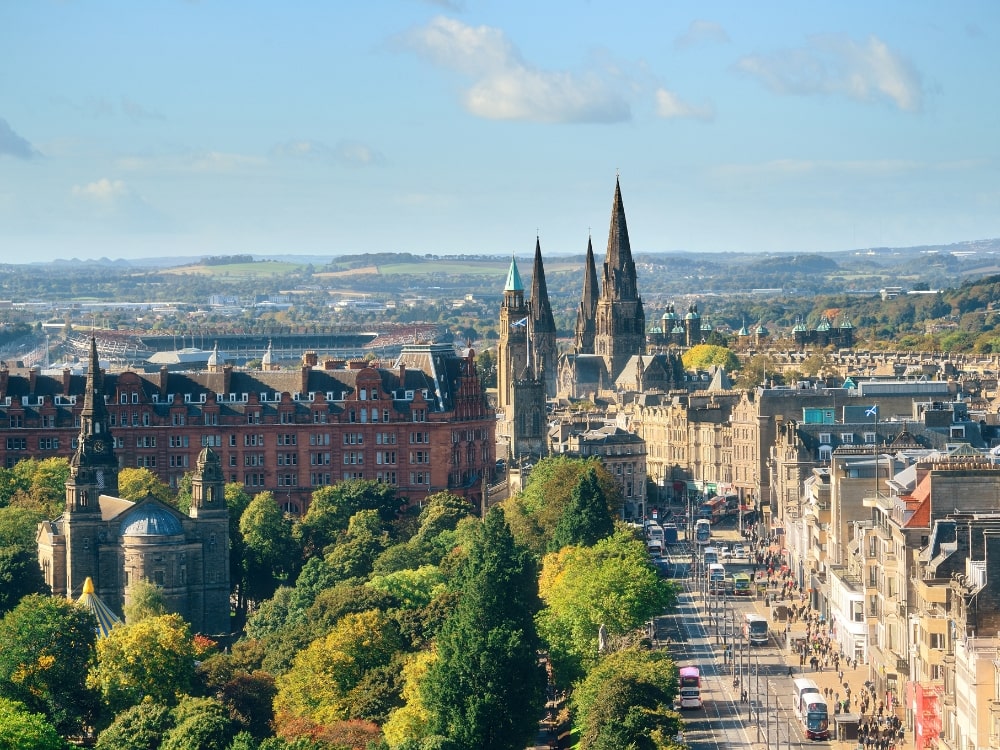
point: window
(253, 417)
(388, 477)
(212, 441)
(318, 479)
(177, 420)
(354, 438)
(847, 438)
(419, 437)
(288, 438)
(179, 462)
(420, 477)
(419, 415)
(145, 441)
(420, 457)
(825, 437)
(178, 441)
(825, 453)
(287, 417)
(48, 420)
(385, 415)
(385, 438)
(869, 438)
(48, 444)
(385, 457)
(935, 640)
(211, 419)
(288, 459)
(251, 441)
(320, 439)
(288, 480)
(354, 457)
(135, 398)
(145, 462)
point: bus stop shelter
(847, 726)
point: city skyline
(199, 128)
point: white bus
(716, 578)
(802, 687)
(755, 629)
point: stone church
(116, 542)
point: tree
(331, 509)
(612, 583)
(317, 687)
(757, 370)
(48, 646)
(198, 723)
(237, 501)
(153, 657)
(137, 484)
(486, 688)
(145, 600)
(20, 729)
(411, 721)
(705, 356)
(486, 366)
(586, 518)
(271, 555)
(140, 727)
(18, 527)
(636, 664)
(20, 575)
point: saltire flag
(521, 322)
(872, 412)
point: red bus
(690, 687)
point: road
(697, 634)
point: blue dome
(151, 520)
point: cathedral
(608, 351)
(115, 542)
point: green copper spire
(513, 278)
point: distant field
(262, 268)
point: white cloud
(702, 32)
(15, 145)
(202, 162)
(347, 153)
(669, 105)
(505, 87)
(112, 203)
(836, 64)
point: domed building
(102, 544)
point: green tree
(18, 527)
(486, 366)
(139, 727)
(270, 556)
(586, 518)
(757, 370)
(237, 501)
(331, 509)
(48, 646)
(486, 688)
(145, 600)
(20, 729)
(153, 657)
(20, 575)
(612, 583)
(705, 356)
(198, 723)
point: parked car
(725, 553)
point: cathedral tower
(587, 311)
(542, 327)
(620, 322)
(512, 350)
(93, 471)
(209, 603)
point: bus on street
(716, 578)
(710, 555)
(815, 717)
(703, 531)
(741, 584)
(755, 629)
(690, 687)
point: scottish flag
(872, 412)
(521, 322)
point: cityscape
(331, 417)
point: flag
(872, 412)
(521, 322)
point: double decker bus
(703, 531)
(741, 584)
(713, 510)
(710, 555)
(690, 687)
(815, 717)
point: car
(725, 553)
(739, 551)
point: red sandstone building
(422, 425)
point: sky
(187, 128)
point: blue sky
(131, 129)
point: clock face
(99, 446)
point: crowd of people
(878, 726)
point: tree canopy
(705, 356)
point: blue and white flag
(872, 412)
(521, 322)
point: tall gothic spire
(94, 415)
(93, 467)
(542, 327)
(541, 310)
(619, 268)
(588, 304)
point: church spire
(93, 467)
(619, 268)
(588, 304)
(542, 327)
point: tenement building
(422, 425)
(116, 543)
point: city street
(747, 691)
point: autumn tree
(486, 688)
(48, 646)
(322, 677)
(137, 484)
(145, 600)
(586, 518)
(612, 583)
(705, 356)
(140, 727)
(331, 509)
(153, 657)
